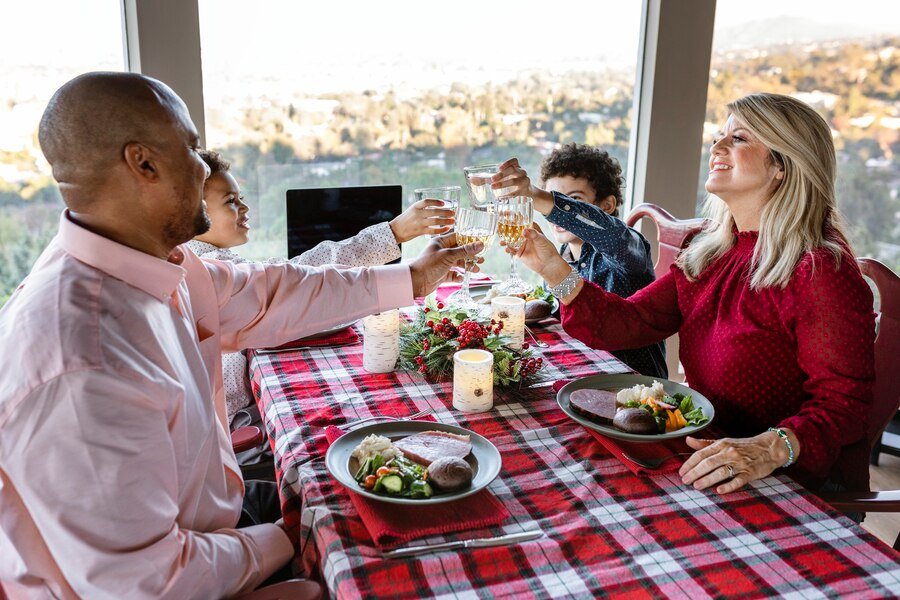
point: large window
(844, 60)
(42, 45)
(366, 93)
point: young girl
(375, 245)
(581, 199)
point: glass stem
(464, 288)
(513, 268)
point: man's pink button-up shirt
(117, 478)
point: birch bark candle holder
(381, 341)
(510, 310)
(473, 381)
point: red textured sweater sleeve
(835, 331)
(606, 321)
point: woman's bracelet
(787, 441)
(567, 285)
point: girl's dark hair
(582, 161)
(215, 162)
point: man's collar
(150, 274)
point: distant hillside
(781, 31)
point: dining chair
(244, 438)
(886, 393)
(286, 590)
(673, 235)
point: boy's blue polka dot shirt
(615, 257)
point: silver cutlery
(503, 540)
(534, 339)
(421, 413)
(654, 463)
(541, 384)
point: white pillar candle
(510, 310)
(473, 381)
(381, 341)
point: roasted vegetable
(450, 473)
(635, 420)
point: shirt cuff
(556, 214)
(273, 550)
(384, 228)
(394, 285)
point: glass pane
(303, 95)
(43, 44)
(843, 59)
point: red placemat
(343, 337)
(391, 524)
(641, 450)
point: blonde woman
(775, 320)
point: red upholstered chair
(886, 394)
(244, 438)
(672, 235)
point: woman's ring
(730, 471)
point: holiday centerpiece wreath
(428, 343)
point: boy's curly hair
(582, 161)
(215, 162)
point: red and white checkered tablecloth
(607, 531)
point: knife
(503, 540)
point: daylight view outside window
(31, 69)
(844, 60)
(407, 93)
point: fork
(534, 339)
(421, 413)
(654, 463)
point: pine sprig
(427, 345)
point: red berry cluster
(498, 327)
(443, 329)
(472, 334)
(528, 366)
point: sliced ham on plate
(428, 446)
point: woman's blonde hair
(802, 213)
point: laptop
(316, 215)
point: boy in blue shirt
(580, 197)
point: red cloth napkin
(640, 450)
(446, 289)
(392, 524)
(343, 337)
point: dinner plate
(480, 291)
(327, 332)
(484, 459)
(618, 382)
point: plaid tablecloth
(607, 531)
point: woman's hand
(542, 257)
(515, 180)
(424, 217)
(732, 463)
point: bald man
(117, 478)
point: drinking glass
(472, 225)
(514, 216)
(478, 182)
(448, 194)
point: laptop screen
(332, 214)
